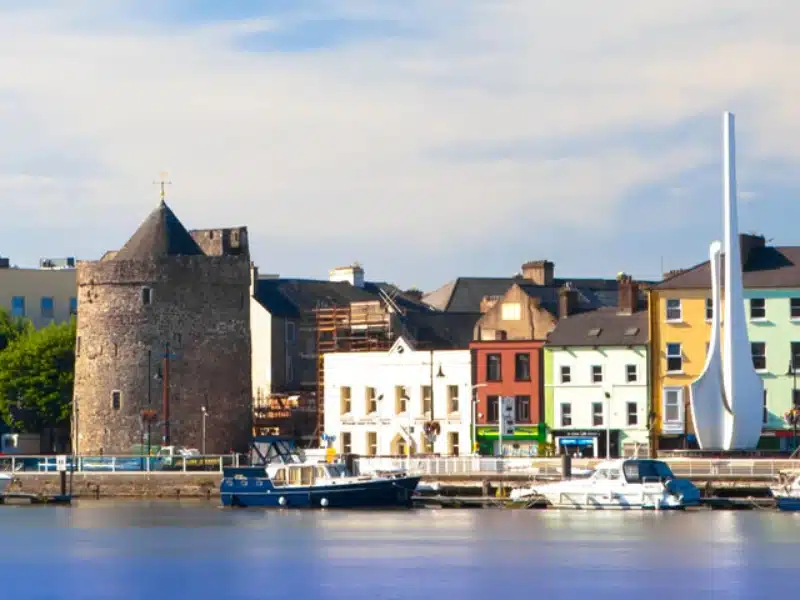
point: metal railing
(485, 466)
(28, 465)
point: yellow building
(44, 295)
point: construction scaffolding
(290, 415)
(359, 327)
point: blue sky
(426, 140)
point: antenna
(162, 182)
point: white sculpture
(727, 397)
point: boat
(787, 496)
(626, 484)
(281, 476)
(5, 482)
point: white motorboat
(625, 484)
(5, 482)
(787, 496)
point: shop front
(586, 443)
(528, 440)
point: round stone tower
(163, 341)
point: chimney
(4, 263)
(414, 294)
(539, 272)
(354, 275)
(749, 242)
(673, 273)
(628, 292)
(567, 301)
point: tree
(12, 328)
(36, 378)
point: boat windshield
(337, 470)
(642, 471)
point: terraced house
(680, 319)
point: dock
(25, 498)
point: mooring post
(63, 478)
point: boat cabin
(633, 471)
(305, 474)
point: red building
(509, 368)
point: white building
(597, 382)
(377, 403)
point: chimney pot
(628, 294)
(567, 301)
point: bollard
(63, 483)
(566, 466)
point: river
(116, 550)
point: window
(372, 443)
(758, 309)
(371, 400)
(566, 414)
(347, 445)
(73, 306)
(452, 398)
(452, 443)
(427, 399)
(344, 400)
(523, 409)
(759, 353)
(672, 406)
(522, 366)
(597, 374)
(115, 350)
(765, 417)
(400, 399)
(291, 332)
(794, 308)
(709, 309)
(597, 414)
(147, 296)
(494, 408)
(795, 355)
(289, 369)
(78, 346)
(631, 374)
(595, 332)
(116, 399)
(673, 309)
(493, 367)
(18, 306)
(633, 414)
(511, 311)
(47, 305)
(566, 375)
(674, 358)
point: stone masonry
(165, 287)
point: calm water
(170, 551)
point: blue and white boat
(281, 476)
(787, 496)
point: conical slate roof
(160, 235)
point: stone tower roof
(160, 235)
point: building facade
(44, 295)
(378, 403)
(163, 342)
(596, 380)
(680, 324)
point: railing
(28, 465)
(484, 466)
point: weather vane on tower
(162, 182)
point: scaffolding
(359, 327)
(290, 415)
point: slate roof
(465, 293)
(442, 330)
(609, 328)
(160, 235)
(289, 298)
(766, 267)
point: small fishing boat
(5, 482)
(787, 496)
(280, 475)
(624, 484)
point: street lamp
(474, 394)
(205, 414)
(608, 425)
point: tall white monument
(727, 397)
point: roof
(441, 330)
(766, 267)
(288, 298)
(160, 235)
(465, 293)
(602, 327)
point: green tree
(36, 378)
(12, 328)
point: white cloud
(355, 139)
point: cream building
(44, 295)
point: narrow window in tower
(116, 399)
(147, 296)
(116, 350)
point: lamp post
(474, 394)
(793, 414)
(205, 414)
(608, 425)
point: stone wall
(104, 485)
(199, 306)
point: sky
(425, 139)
